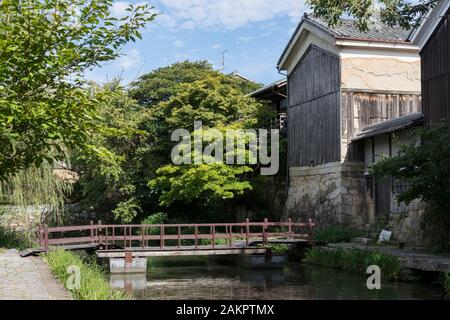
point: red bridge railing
(141, 236)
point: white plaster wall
(381, 70)
(303, 44)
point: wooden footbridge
(120, 241)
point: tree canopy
(159, 102)
(45, 47)
(162, 83)
(404, 13)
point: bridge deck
(184, 251)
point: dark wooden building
(433, 37)
(342, 81)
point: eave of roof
(269, 87)
(390, 126)
(339, 35)
(429, 23)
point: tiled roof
(390, 126)
(269, 87)
(347, 29)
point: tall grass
(355, 261)
(15, 240)
(93, 283)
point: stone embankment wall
(329, 193)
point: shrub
(157, 218)
(335, 234)
(15, 240)
(353, 260)
(277, 248)
(93, 286)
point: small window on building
(369, 185)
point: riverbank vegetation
(10, 239)
(93, 283)
(424, 169)
(336, 234)
(355, 261)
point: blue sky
(253, 31)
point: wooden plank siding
(436, 74)
(363, 109)
(313, 113)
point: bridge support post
(126, 265)
(269, 255)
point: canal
(178, 278)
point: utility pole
(223, 60)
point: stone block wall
(329, 193)
(406, 223)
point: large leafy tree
(405, 13)
(195, 92)
(45, 46)
(219, 106)
(162, 83)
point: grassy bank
(93, 283)
(336, 233)
(355, 261)
(15, 240)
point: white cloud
(229, 14)
(118, 9)
(130, 60)
(216, 46)
(178, 43)
(245, 39)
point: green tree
(45, 46)
(198, 93)
(106, 181)
(392, 12)
(424, 167)
(219, 106)
(162, 83)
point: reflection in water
(293, 282)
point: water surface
(294, 281)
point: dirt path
(27, 279)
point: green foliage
(278, 248)
(127, 210)
(352, 260)
(163, 83)
(108, 182)
(446, 282)
(336, 234)
(36, 187)
(93, 286)
(15, 240)
(392, 12)
(218, 106)
(156, 218)
(45, 46)
(169, 98)
(424, 168)
(205, 181)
